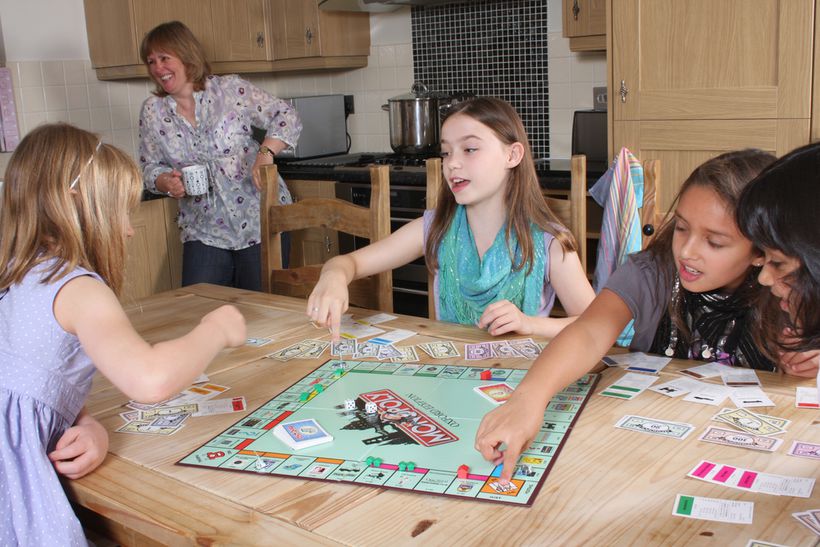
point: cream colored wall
(571, 79)
(55, 89)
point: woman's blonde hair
(523, 197)
(67, 197)
(175, 38)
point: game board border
(596, 377)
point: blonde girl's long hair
(523, 197)
(42, 217)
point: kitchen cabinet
(314, 245)
(691, 80)
(301, 29)
(239, 36)
(585, 24)
(154, 261)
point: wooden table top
(607, 487)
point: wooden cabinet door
(239, 32)
(314, 245)
(196, 15)
(295, 28)
(584, 17)
(696, 78)
(147, 267)
(111, 37)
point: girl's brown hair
(43, 218)
(523, 197)
(726, 175)
(178, 40)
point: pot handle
(386, 107)
(419, 89)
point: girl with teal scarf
(498, 254)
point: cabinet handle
(260, 39)
(327, 244)
(624, 91)
(309, 35)
(576, 9)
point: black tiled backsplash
(490, 47)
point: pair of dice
(370, 408)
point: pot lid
(418, 91)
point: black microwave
(589, 138)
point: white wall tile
(74, 72)
(56, 98)
(30, 74)
(77, 97)
(100, 119)
(118, 93)
(34, 99)
(121, 117)
(98, 95)
(81, 118)
(53, 73)
(54, 116)
(33, 119)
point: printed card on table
(440, 350)
(393, 336)
(641, 362)
(698, 507)
(708, 394)
(752, 481)
(495, 393)
(629, 386)
(809, 519)
(739, 377)
(660, 428)
(302, 433)
(749, 422)
(378, 318)
(257, 342)
(750, 397)
(677, 387)
(806, 397)
(740, 439)
(782, 423)
(220, 406)
(700, 372)
(477, 352)
(802, 449)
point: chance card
(495, 393)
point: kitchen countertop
(553, 174)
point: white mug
(195, 178)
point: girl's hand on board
(514, 424)
(81, 449)
(229, 321)
(328, 301)
(502, 317)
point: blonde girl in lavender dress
(63, 230)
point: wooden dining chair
(434, 181)
(373, 223)
(572, 210)
(651, 217)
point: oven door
(406, 203)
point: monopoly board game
(419, 438)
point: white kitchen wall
(571, 79)
(53, 79)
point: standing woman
(197, 118)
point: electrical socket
(349, 108)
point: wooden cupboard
(584, 23)
(690, 80)
(314, 245)
(154, 262)
(239, 36)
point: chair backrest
(651, 217)
(434, 180)
(572, 212)
(373, 223)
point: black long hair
(779, 211)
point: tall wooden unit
(690, 80)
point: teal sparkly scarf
(467, 285)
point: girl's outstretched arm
(329, 299)
(90, 310)
(572, 287)
(575, 351)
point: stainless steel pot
(415, 120)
